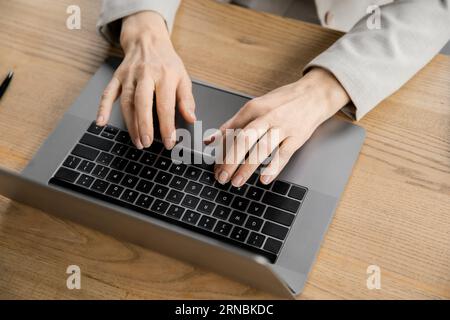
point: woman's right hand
(150, 66)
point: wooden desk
(395, 212)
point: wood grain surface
(395, 212)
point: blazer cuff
(351, 80)
(109, 22)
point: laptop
(266, 236)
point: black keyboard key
(133, 154)
(193, 188)
(100, 171)
(114, 176)
(119, 163)
(114, 190)
(111, 130)
(223, 228)
(105, 158)
(256, 209)
(239, 234)
(123, 137)
(148, 158)
(240, 203)
(224, 198)
(144, 186)
(190, 201)
(163, 163)
(254, 223)
(95, 129)
(175, 196)
(107, 135)
(274, 230)
(85, 181)
(159, 191)
(119, 149)
(160, 206)
(144, 201)
(279, 216)
(166, 153)
(100, 185)
(256, 239)
(192, 173)
(163, 177)
(178, 183)
(207, 222)
(155, 147)
(240, 191)
(273, 245)
(191, 217)
(223, 187)
(96, 142)
(208, 193)
(71, 162)
(178, 168)
(297, 193)
(207, 178)
(206, 207)
(222, 212)
(175, 212)
(254, 193)
(86, 166)
(263, 186)
(280, 187)
(129, 181)
(281, 202)
(148, 173)
(133, 168)
(129, 195)
(237, 217)
(85, 152)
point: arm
(373, 64)
(364, 66)
(109, 22)
(150, 66)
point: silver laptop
(265, 236)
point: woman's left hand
(283, 118)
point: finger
(127, 106)
(109, 95)
(261, 151)
(143, 100)
(165, 107)
(279, 160)
(185, 99)
(244, 141)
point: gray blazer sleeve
(373, 64)
(114, 10)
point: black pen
(5, 83)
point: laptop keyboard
(106, 165)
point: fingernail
(192, 114)
(265, 179)
(223, 177)
(146, 141)
(169, 143)
(237, 181)
(138, 144)
(100, 120)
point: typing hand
(150, 66)
(283, 118)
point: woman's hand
(283, 118)
(150, 66)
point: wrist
(327, 90)
(146, 27)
